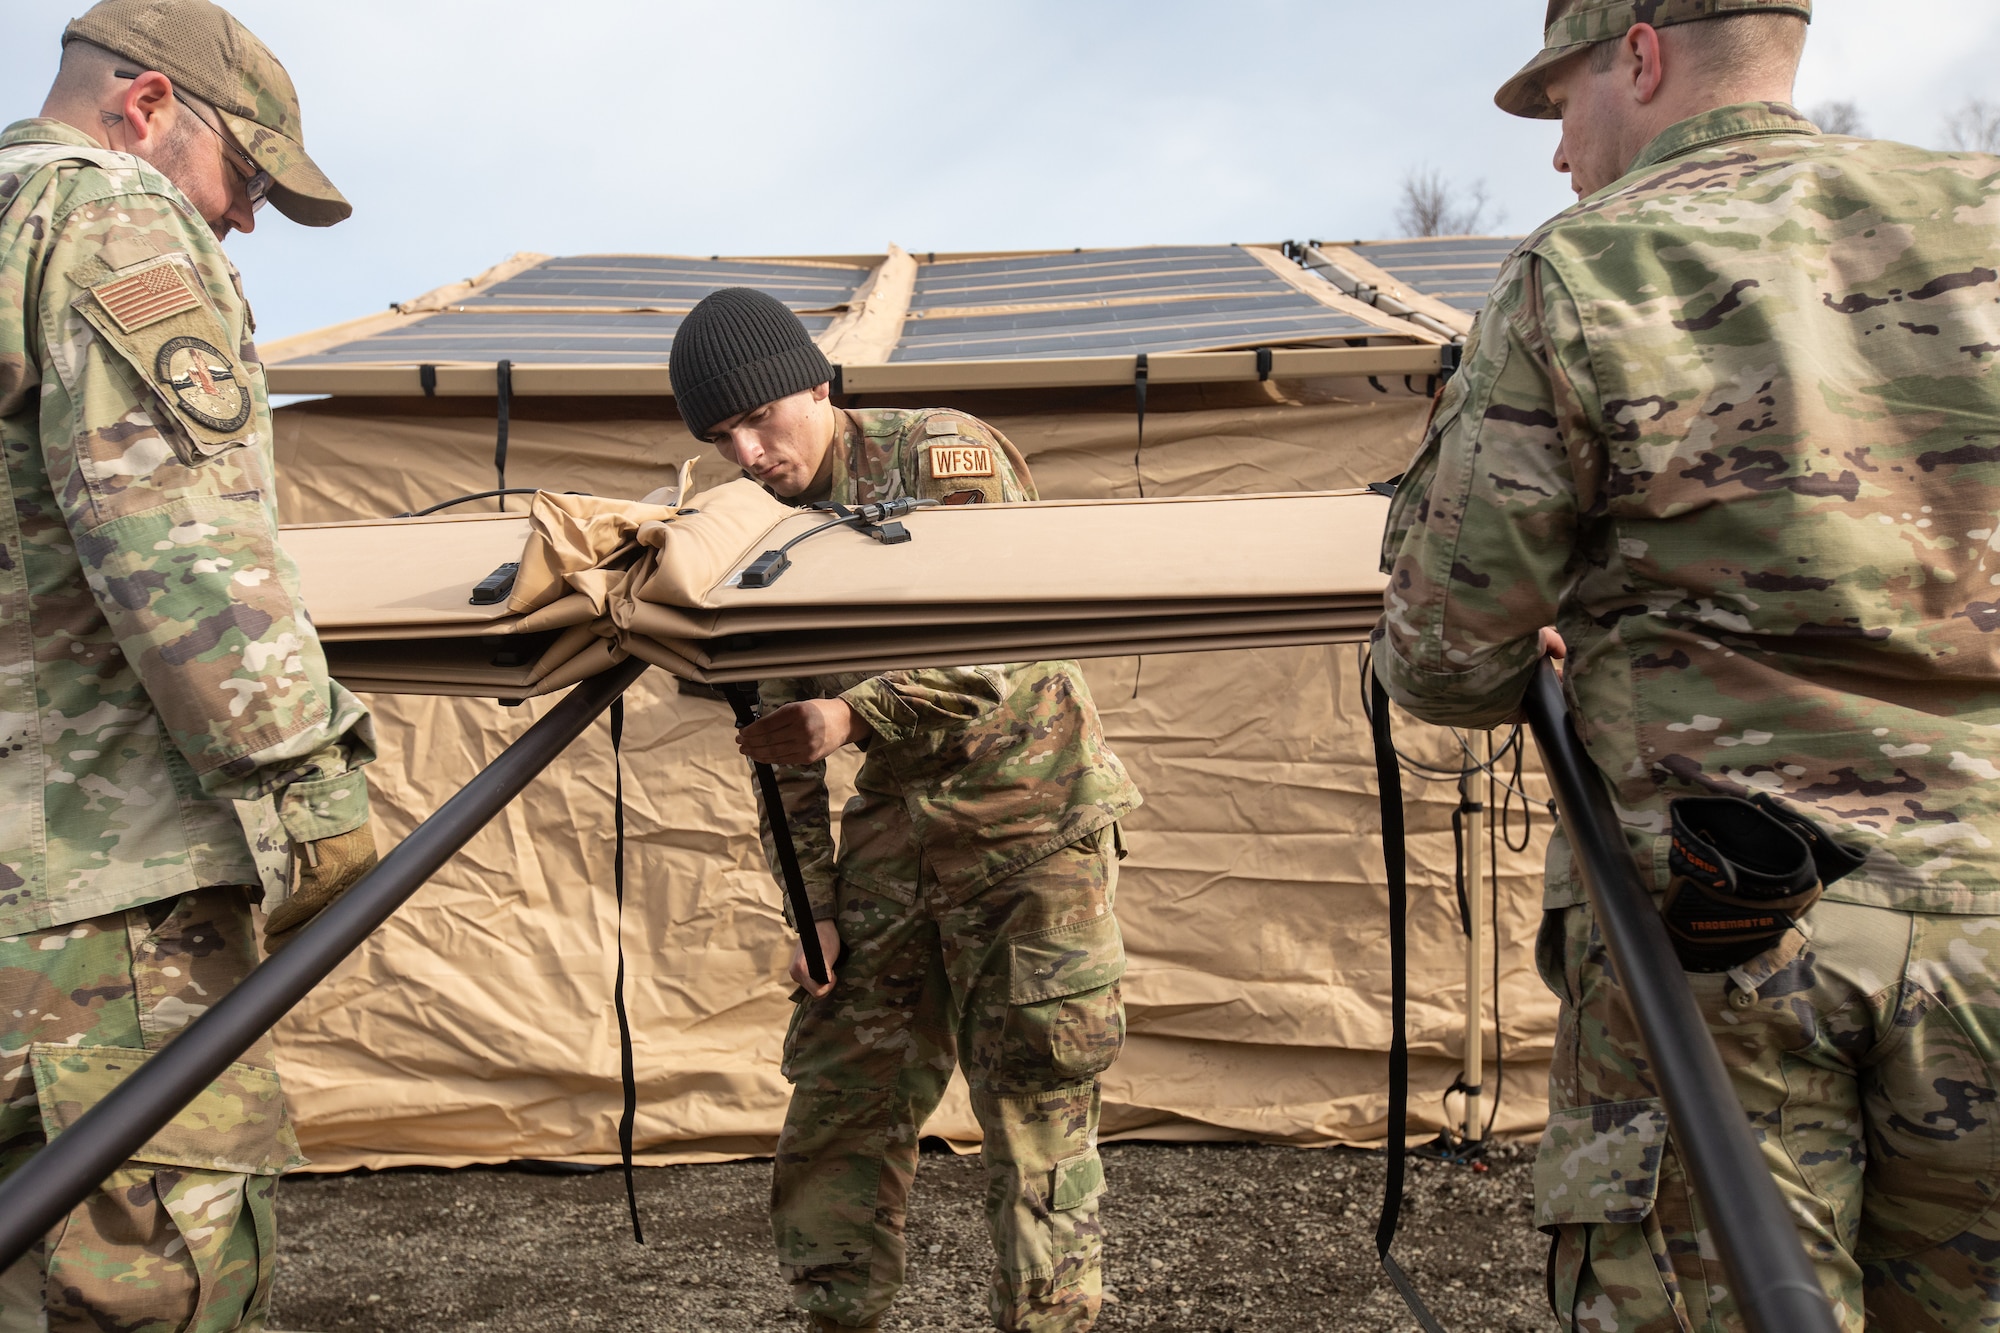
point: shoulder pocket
(1600, 1164)
(156, 318)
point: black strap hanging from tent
(1139, 400)
(627, 1076)
(742, 696)
(427, 380)
(1389, 782)
(503, 386)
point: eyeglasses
(256, 180)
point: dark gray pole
(64, 1173)
(1769, 1274)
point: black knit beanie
(737, 350)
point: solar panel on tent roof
(1110, 302)
(1458, 270)
(611, 310)
(569, 310)
(664, 280)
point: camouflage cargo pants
(1020, 987)
(181, 1237)
(1867, 1057)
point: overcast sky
(464, 130)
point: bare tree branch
(1974, 127)
(1431, 206)
(1841, 117)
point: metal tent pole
(1769, 1274)
(63, 1174)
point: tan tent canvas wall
(477, 1025)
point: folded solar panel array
(601, 580)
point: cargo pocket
(1076, 1181)
(197, 1197)
(1066, 1013)
(1597, 1175)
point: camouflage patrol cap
(206, 52)
(1576, 25)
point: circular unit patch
(204, 382)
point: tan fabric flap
(412, 571)
(571, 534)
(1007, 641)
(572, 609)
(673, 622)
(696, 552)
(507, 664)
(237, 1123)
(1312, 545)
(679, 656)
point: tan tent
(477, 1025)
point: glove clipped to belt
(327, 869)
(1743, 873)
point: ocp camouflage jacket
(1732, 425)
(973, 772)
(157, 666)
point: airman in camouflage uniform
(169, 725)
(968, 910)
(1731, 425)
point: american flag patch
(147, 297)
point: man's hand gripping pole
(742, 697)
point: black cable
(1458, 863)
(627, 1074)
(1527, 806)
(477, 495)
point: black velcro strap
(1389, 789)
(503, 387)
(1139, 402)
(627, 1075)
(427, 380)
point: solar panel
(549, 339)
(1458, 270)
(617, 310)
(538, 315)
(665, 280)
(1110, 302)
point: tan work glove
(327, 869)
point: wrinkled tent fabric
(476, 1025)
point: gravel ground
(1230, 1238)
